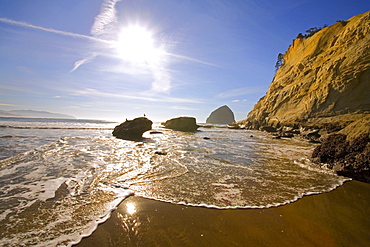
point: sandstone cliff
(324, 79)
(222, 115)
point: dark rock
(312, 135)
(350, 159)
(268, 129)
(156, 132)
(182, 123)
(160, 153)
(331, 150)
(314, 141)
(287, 135)
(206, 138)
(283, 135)
(132, 129)
(222, 115)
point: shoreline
(336, 218)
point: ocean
(60, 178)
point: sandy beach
(337, 218)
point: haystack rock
(182, 123)
(323, 80)
(222, 115)
(132, 129)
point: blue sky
(120, 59)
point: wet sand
(337, 218)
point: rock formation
(222, 115)
(132, 129)
(348, 151)
(321, 90)
(182, 123)
(325, 75)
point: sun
(136, 44)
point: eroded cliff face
(325, 75)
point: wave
(70, 185)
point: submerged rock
(182, 123)
(222, 115)
(132, 129)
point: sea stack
(222, 115)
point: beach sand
(337, 218)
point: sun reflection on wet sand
(131, 208)
(130, 222)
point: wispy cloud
(161, 78)
(182, 57)
(50, 30)
(82, 61)
(25, 70)
(104, 31)
(104, 27)
(183, 108)
(19, 89)
(154, 98)
(241, 91)
(105, 22)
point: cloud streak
(104, 31)
(241, 91)
(82, 61)
(51, 30)
(105, 22)
(96, 93)
(192, 59)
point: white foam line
(274, 205)
(113, 206)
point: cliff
(222, 115)
(323, 80)
(321, 91)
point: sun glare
(136, 44)
(131, 208)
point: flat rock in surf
(182, 123)
(132, 129)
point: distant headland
(34, 114)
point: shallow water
(59, 179)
